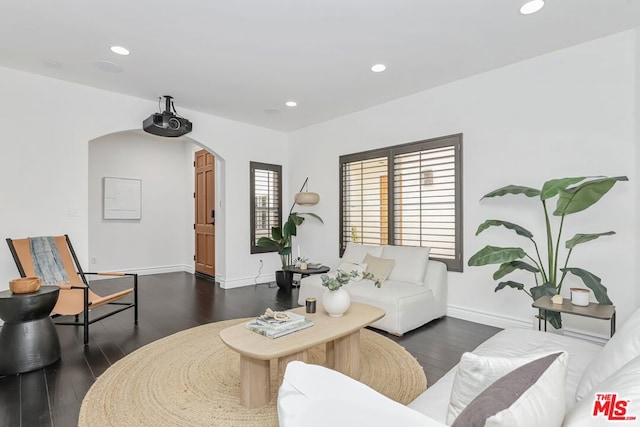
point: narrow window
(265, 202)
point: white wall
(157, 242)
(569, 113)
(47, 125)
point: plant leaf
(513, 189)
(508, 267)
(310, 214)
(584, 238)
(276, 233)
(592, 282)
(577, 199)
(265, 242)
(511, 284)
(521, 231)
(495, 255)
(546, 288)
(296, 219)
(289, 229)
(552, 187)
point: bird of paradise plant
(574, 195)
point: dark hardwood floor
(171, 303)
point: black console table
(290, 270)
(28, 338)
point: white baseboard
(144, 271)
(246, 281)
(504, 322)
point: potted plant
(281, 238)
(335, 300)
(573, 195)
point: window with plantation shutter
(265, 202)
(405, 195)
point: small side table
(28, 338)
(290, 270)
(593, 310)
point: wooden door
(205, 212)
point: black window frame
(455, 140)
(253, 166)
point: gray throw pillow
(531, 395)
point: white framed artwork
(122, 198)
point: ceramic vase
(336, 303)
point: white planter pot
(336, 303)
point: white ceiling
(237, 58)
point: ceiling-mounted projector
(167, 123)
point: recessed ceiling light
(378, 68)
(531, 7)
(120, 50)
(291, 103)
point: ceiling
(243, 59)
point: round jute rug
(192, 379)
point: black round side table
(28, 338)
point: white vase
(336, 303)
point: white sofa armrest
(315, 396)
(435, 278)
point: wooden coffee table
(341, 335)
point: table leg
(284, 361)
(346, 355)
(613, 323)
(539, 319)
(545, 320)
(255, 382)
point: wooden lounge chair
(75, 295)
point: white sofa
(584, 379)
(414, 293)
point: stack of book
(272, 328)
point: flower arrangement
(342, 278)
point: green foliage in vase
(573, 195)
(342, 278)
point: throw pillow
(410, 263)
(355, 252)
(531, 395)
(620, 392)
(475, 373)
(620, 349)
(378, 267)
(350, 267)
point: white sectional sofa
(414, 293)
(585, 385)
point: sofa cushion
(474, 374)
(410, 263)
(514, 342)
(314, 396)
(531, 395)
(620, 349)
(355, 252)
(379, 267)
(350, 267)
(621, 387)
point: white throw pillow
(350, 267)
(475, 374)
(379, 268)
(355, 252)
(532, 395)
(623, 346)
(315, 396)
(410, 263)
(623, 386)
